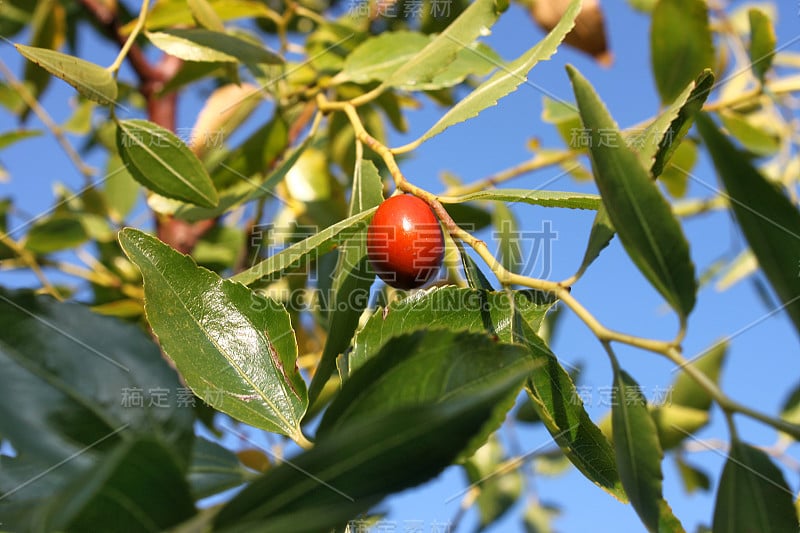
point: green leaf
(159, 160)
(214, 469)
(168, 13)
(320, 243)
(753, 495)
(90, 80)
(560, 408)
(424, 367)
(676, 422)
(685, 391)
(249, 183)
(680, 45)
(195, 44)
(664, 135)
(89, 383)
(508, 78)
(473, 273)
(448, 308)
(675, 176)
(14, 136)
(769, 220)
(139, 484)
(443, 49)
(379, 56)
(762, 43)
(569, 200)
(599, 237)
(377, 59)
(693, 478)
(757, 139)
(120, 189)
(649, 231)
(638, 452)
(352, 278)
(236, 350)
(349, 471)
(60, 232)
(205, 15)
(506, 233)
(499, 488)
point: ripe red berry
(404, 242)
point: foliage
(249, 308)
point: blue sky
(762, 363)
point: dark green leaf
(320, 243)
(560, 407)
(685, 390)
(214, 469)
(449, 308)
(158, 159)
(762, 43)
(664, 135)
(769, 220)
(508, 78)
(195, 44)
(352, 278)
(680, 45)
(92, 81)
(351, 470)
(60, 232)
(473, 273)
(139, 487)
(469, 216)
(88, 382)
(638, 452)
(651, 234)
(600, 236)
(753, 495)
(235, 349)
(424, 368)
(570, 200)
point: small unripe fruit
(405, 245)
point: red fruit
(404, 242)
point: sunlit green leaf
(769, 220)
(570, 200)
(60, 232)
(508, 78)
(194, 44)
(693, 478)
(320, 243)
(680, 45)
(499, 489)
(92, 81)
(686, 391)
(762, 42)
(649, 231)
(159, 160)
(236, 350)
